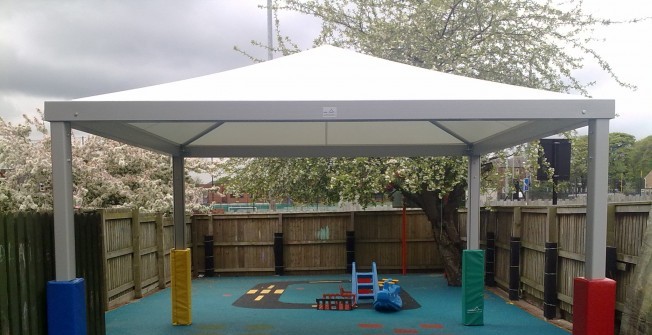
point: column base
(180, 266)
(66, 307)
(473, 287)
(594, 306)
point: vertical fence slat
(33, 268)
(136, 258)
(5, 318)
(160, 251)
(12, 268)
(41, 222)
(23, 289)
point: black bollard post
(278, 254)
(350, 251)
(490, 260)
(514, 267)
(612, 258)
(209, 261)
(550, 281)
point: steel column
(473, 205)
(178, 191)
(64, 221)
(596, 205)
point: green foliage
(629, 162)
(529, 43)
(620, 145)
(105, 173)
(330, 180)
(639, 162)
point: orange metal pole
(404, 242)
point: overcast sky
(66, 49)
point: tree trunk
(442, 215)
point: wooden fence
(27, 264)
(136, 253)
(124, 254)
(566, 226)
(313, 242)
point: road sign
(526, 184)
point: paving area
(284, 305)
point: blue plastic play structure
(364, 284)
(386, 294)
(388, 299)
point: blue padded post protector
(66, 307)
(473, 287)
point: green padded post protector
(473, 287)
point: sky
(67, 49)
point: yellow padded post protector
(181, 287)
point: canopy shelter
(329, 101)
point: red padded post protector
(594, 306)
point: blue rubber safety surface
(213, 313)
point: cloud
(54, 50)
(78, 48)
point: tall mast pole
(270, 43)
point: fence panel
(422, 250)
(243, 243)
(315, 242)
(533, 238)
(629, 230)
(378, 238)
(90, 266)
(504, 223)
(149, 270)
(119, 256)
(571, 244)
(27, 264)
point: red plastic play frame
(594, 306)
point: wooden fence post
(105, 259)
(135, 245)
(160, 251)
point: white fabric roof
(328, 101)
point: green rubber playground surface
(283, 305)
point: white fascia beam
(342, 110)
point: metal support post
(473, 214)
(64, 221)
(178, 191)
(596, 205)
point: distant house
(3, 172)
(515, 167)
(648, 181)
(219, 197)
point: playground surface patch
(216, 310)
(301, 294)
